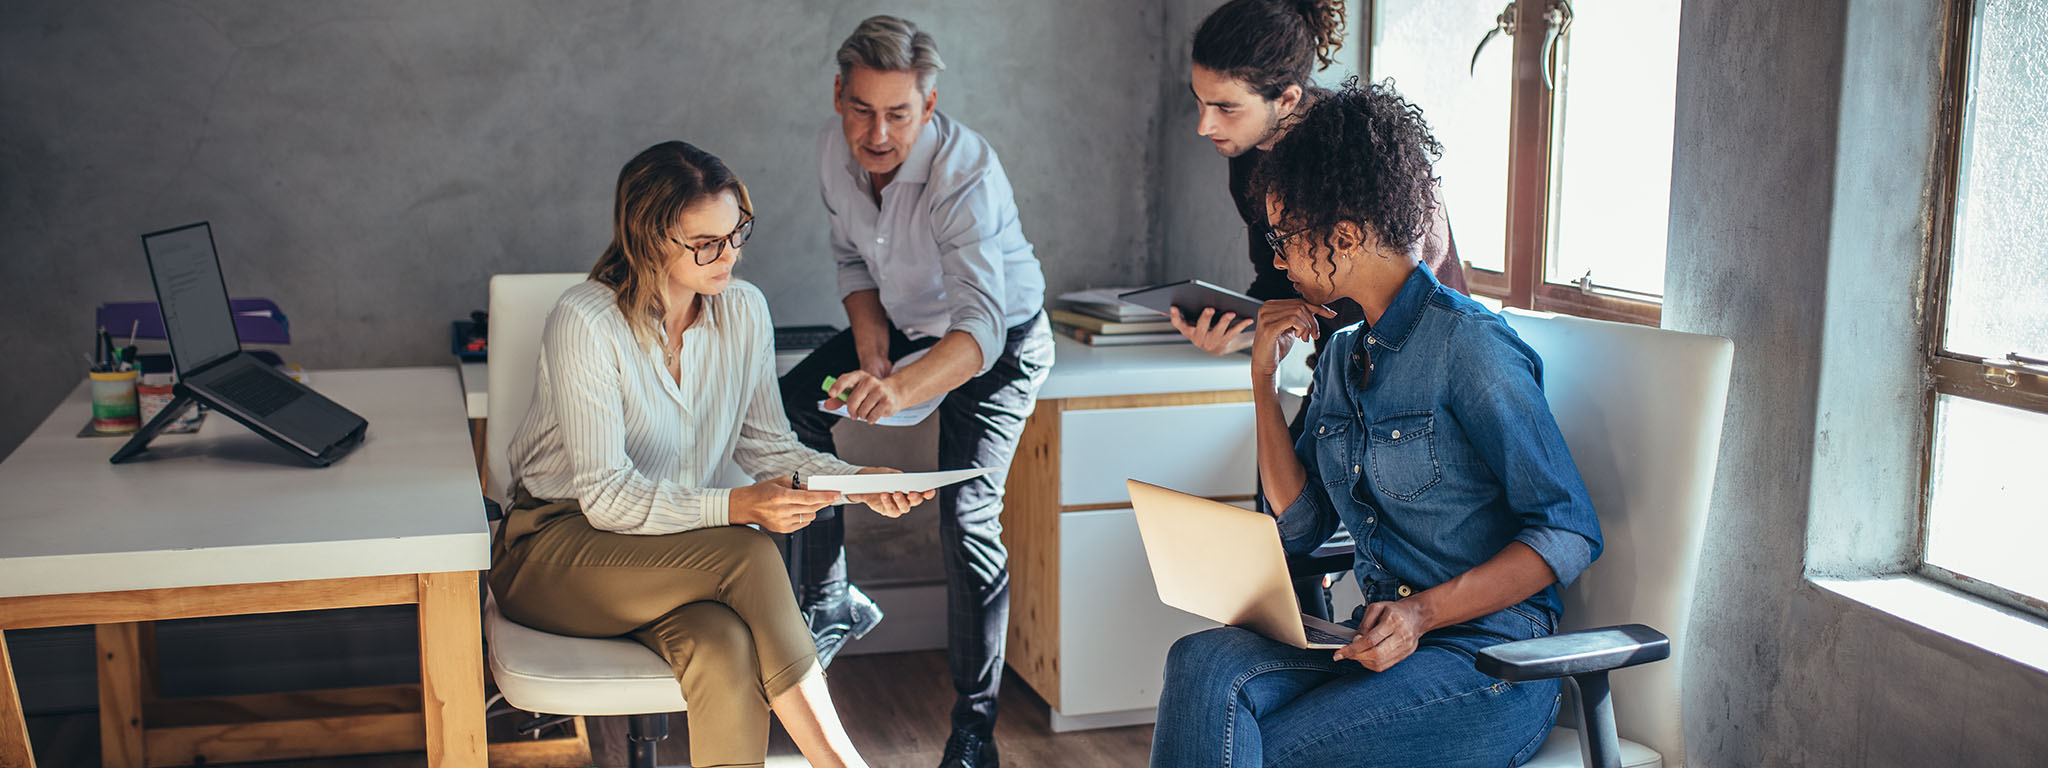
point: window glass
(1987, 518)
(1425, 46)
(1611, 177)
(1998, 285)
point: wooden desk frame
(443, 715)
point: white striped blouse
(609, 427)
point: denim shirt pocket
(1402, 448)
(1335, 456)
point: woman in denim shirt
(1431, 441)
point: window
(1557, 141)
(1986, 510)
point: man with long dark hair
(1253, 60)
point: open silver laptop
(1225, 564)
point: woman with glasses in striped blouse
(652, 374)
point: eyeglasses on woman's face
(1278, 242)
(712, 251)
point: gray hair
(891, 44)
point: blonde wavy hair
(654, 189)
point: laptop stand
(181, 399)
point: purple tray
(257, 321)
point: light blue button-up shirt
(944, 249)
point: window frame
(1532, 135)
(2009, 384)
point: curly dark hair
(1358, 154)
(1270, 44)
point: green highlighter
(829, 381)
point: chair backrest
(519, 311)
(1641, 409)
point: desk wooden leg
(452, 670)
(121, 689)
(14, 752)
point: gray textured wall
(1804, 138)
(370, 164)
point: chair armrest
(1574, 653)
(1326, 559)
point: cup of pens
(115, 407)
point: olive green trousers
(715, 602)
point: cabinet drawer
(1114, 632)
(1205, 450)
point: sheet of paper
(907, 481)
(908, 417)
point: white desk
(222, 522)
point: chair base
(643, 734)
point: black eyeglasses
(1276, 240)
(711, 251)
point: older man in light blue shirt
(931, 258)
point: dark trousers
(979, 425)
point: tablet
(1193, 296)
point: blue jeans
(1235, 698)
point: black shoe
(969, 750)
(834, 621)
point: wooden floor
(895, 705)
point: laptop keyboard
(1320, 636)
(790, 338)
(256, 390)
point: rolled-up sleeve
(1500, 404)
(582, 367)
(852, 269)
(969, 225)
(833, 186)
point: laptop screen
(192, 296)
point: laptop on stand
(213, 369)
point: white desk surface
(1079, 370)
(476, 388)
(225, 506)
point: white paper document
(908, 417)
(908, 482)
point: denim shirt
(1446, 456)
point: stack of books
(1095, 317)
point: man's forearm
(950, 363)
(870, 323)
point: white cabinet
(1114, 632)
(1205, 450)
(1087, 630)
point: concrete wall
(1804, 148)
(369, 165)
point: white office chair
(535, 670)
(1641, 411)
